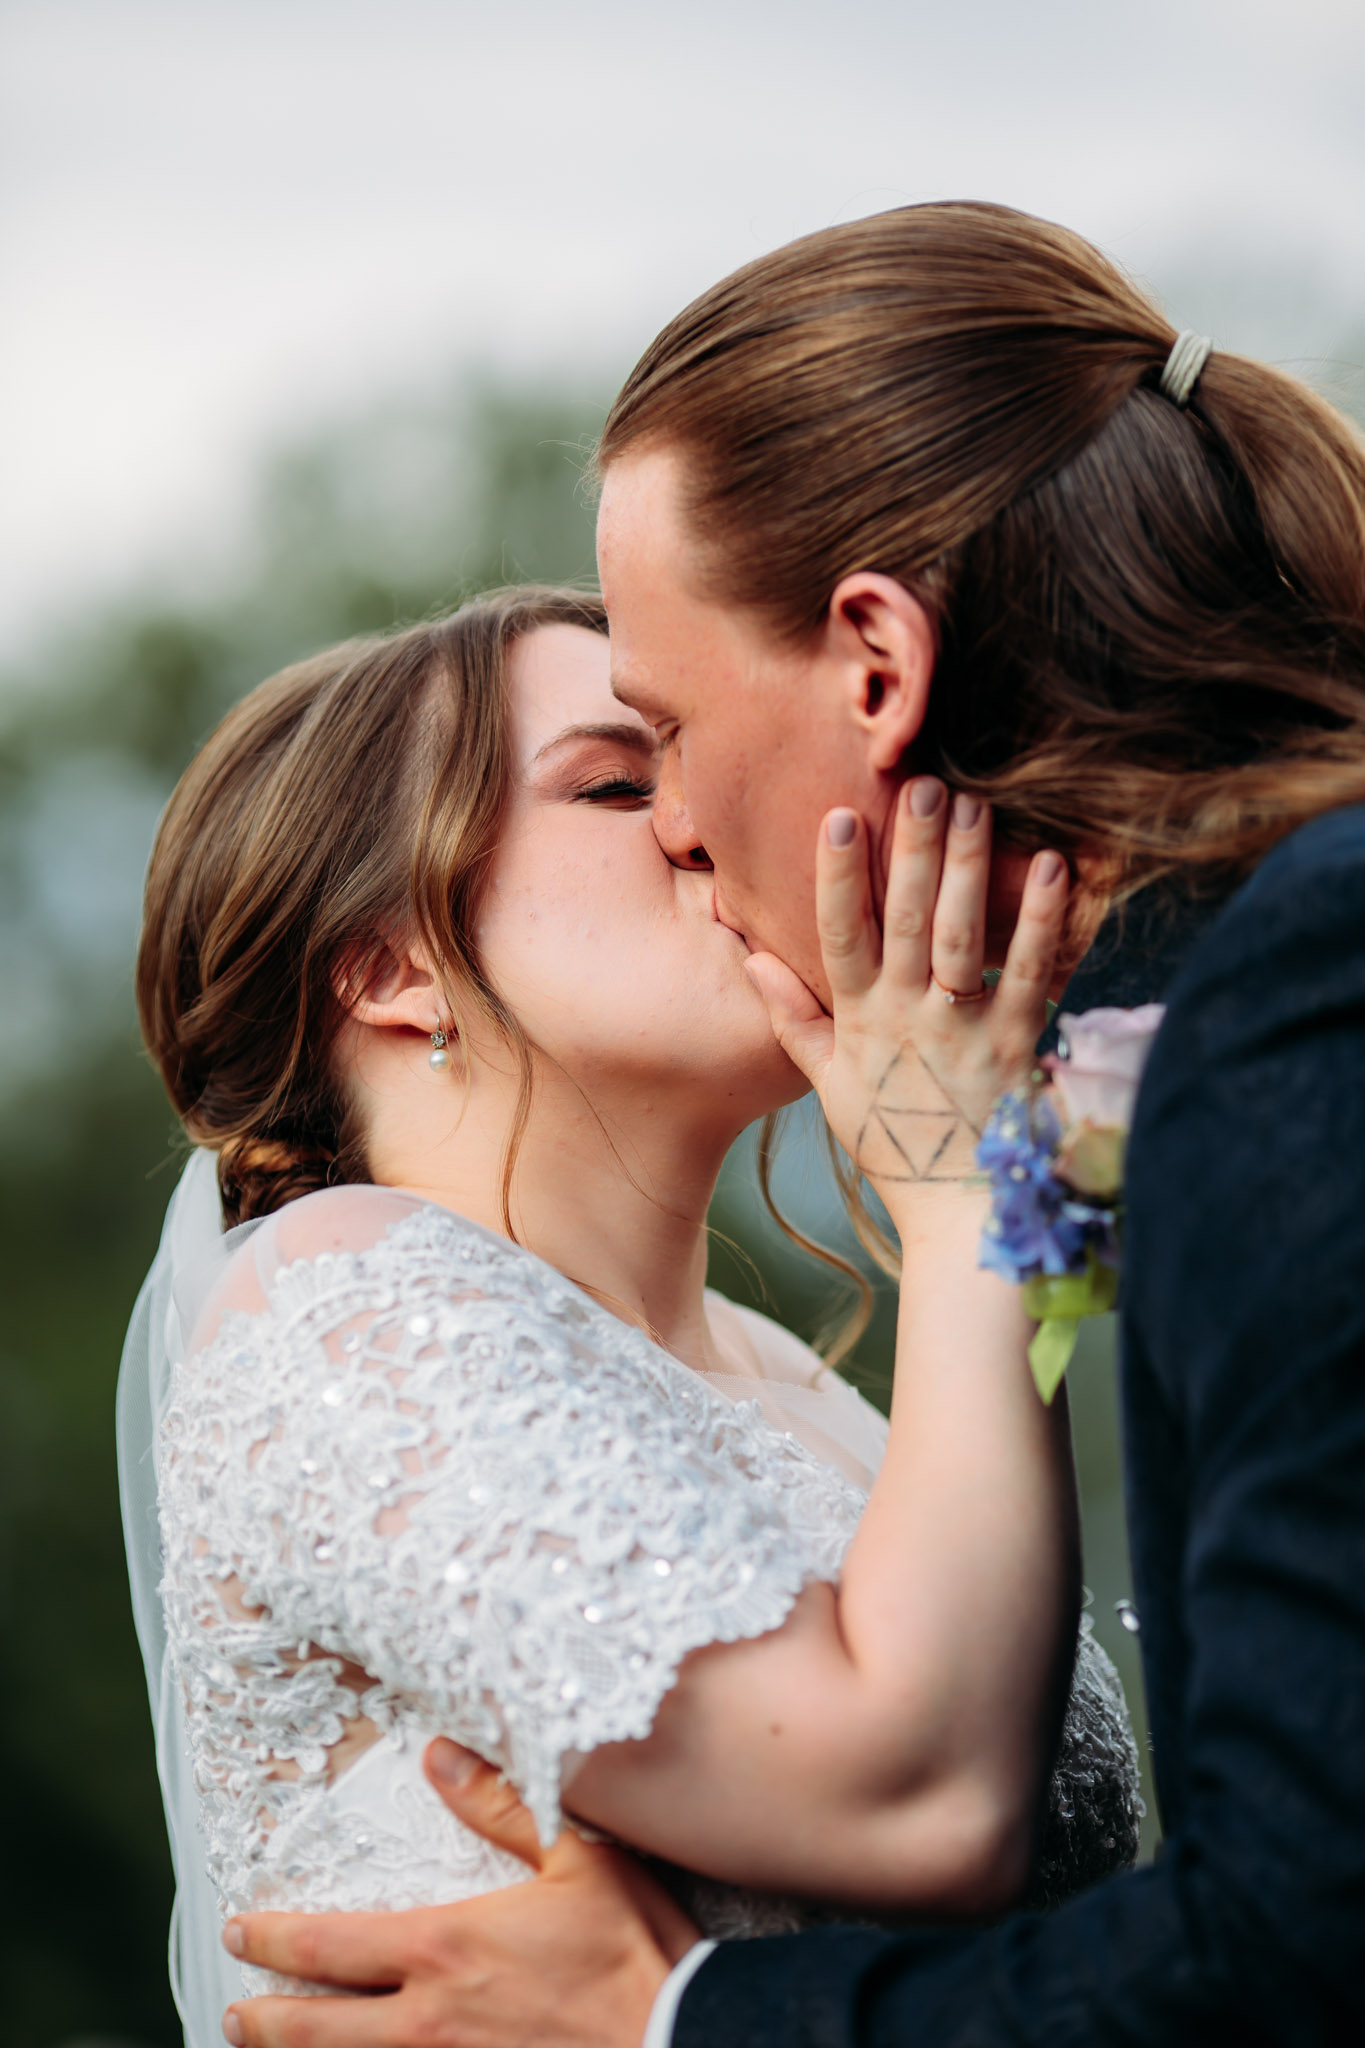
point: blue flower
(1036, 1225)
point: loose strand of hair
(837, 1338)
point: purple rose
(1106, 1051)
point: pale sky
(222, 221)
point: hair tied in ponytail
(1184, 367)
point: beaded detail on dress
(1094, 1811)
(415, 1482)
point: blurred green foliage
(384, 518)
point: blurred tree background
(384, 518)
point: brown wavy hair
(352, 796)
(1151, 620)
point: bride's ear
(392, 989)
(885, 645)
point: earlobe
(887, 644)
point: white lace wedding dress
(412, 1481)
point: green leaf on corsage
(1058, 1304)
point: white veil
(193, 1250)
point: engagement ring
(955, 995)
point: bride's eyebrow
(637, 738)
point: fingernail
(1051, 867)
(926, 796)
(841, 826)
(234, 1940)
(451, 1764)
(233, 2029)
(966, 811)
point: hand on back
(572, 1959)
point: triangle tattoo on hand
(914, 1131)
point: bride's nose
(673, 827)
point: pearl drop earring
(438, 1059)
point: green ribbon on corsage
(1058, 1305)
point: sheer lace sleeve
(410, 1473)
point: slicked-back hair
(1151, 620)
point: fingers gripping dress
(413, 1482)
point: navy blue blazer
(1242, 1344)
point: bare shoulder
(759, 1346)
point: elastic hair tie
(1184, 366)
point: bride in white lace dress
(456, 1443)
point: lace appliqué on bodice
(1094, 1812)
(428, 1485)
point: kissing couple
(545, 1650)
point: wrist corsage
(1054, 1159)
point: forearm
(960, 1592)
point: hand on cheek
(917, 1047)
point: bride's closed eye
(609, 763)
(627, 792)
